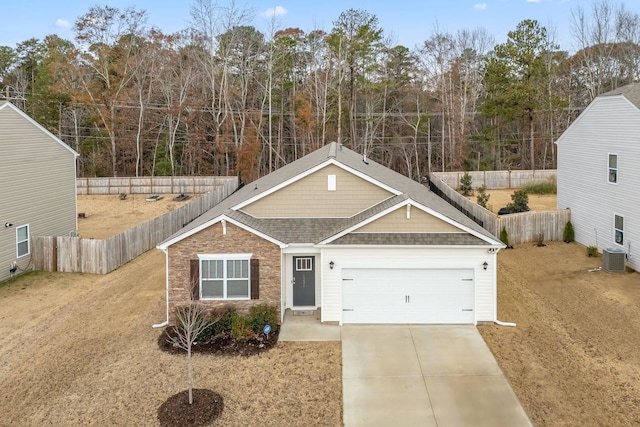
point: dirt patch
(502, 197)
(573, 358)
(79, 349)
(106, 216)
(206, 406)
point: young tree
(191, 321)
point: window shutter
(255, 278)
(194, 279)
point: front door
(304, 281)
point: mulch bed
(222, 344)
(177, 412)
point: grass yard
(79, 350)
(501, 197)
(573, 358)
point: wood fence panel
(497, 179)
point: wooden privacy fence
(497, 179)
(73, 254)
(151, 185)
(521, 227)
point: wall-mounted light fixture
(485, 265)
(8, 224)
(331, 264)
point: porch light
(331, 264)
(485, 265)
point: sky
(408, 22)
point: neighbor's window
(331, 183)
(618, 229)
(22, 240)
(225, 277)
(613, 168)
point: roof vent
(613, 260)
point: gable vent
(613, 260)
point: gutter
(166, 261)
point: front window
(22, 240)
(225, 277)
(618, 229)
(613, 168)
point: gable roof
(6, 105)
(630, 91)
(316, 230)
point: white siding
(38, 188)
(609, 125)
(442, 258)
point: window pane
(619, 222)
(23, 248)
(212, 289)
(23, 233)
(205, 269)
(245, 268)
(613, 161)
(238, 288)
(613, 175)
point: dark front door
(304, 281)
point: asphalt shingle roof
(307, 230)
(436, 239)
(630, 91)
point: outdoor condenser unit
(613, 260)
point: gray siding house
(599, 173)
(38, 188)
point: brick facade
(212, 241)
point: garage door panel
(408, 296)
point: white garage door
(407, 296)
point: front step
(303, 312)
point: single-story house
(336, 231)
(598, 174)
(38, 188)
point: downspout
(166, 269)
(495, 280)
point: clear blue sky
(409, 21)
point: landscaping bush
(465, 184)
(218, 321)
(592, 251)
(568, 235)
(241, 328)
(482, 197)
(262, 315)
(504, 236)
(545, 187)
(519, 202)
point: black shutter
(194, 279)
(255, 278)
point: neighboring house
(599, 173)
(37, 188)
(337, 232)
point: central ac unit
(613, 260)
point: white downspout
(495, 281)
(166, 269)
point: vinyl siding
(310, 198)
(419, 222)
(38, 185)
(609, 125)
(441, 258)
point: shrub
(519, 202)
(592, 251)
(241, 328)
(483, 197)
(122, 196)
(261, 315)
(568, 235)
(465, 184)
(224, 324)
(504, 236)
(215, 324)
(545, 187)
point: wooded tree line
(222, 98)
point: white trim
(214, 221)
(407, 202)
(224, 258)
(18, 241)
(308, 172)
(615, 229)
(38, 125)
(609, 169)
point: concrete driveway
(424, 375)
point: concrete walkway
(307, 328)
(415, 375)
